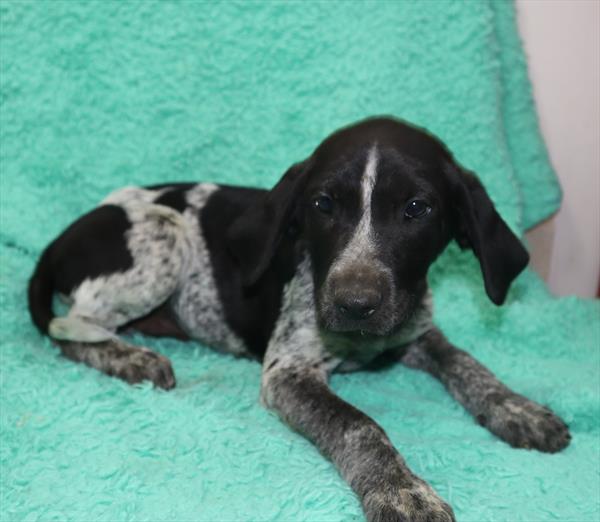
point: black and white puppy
(325, 272)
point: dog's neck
(358, 349)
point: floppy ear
(501, 255)
(254, 236)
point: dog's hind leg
(158, 245)
(120, 359)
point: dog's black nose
(358, 306)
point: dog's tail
(40, 291)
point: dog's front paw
(525, 424)
(416, 503)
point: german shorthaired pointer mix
(325, 272)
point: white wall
(562, 43)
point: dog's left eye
(416, 208)
(323, 203)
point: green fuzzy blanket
(96, 95)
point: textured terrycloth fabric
(540, 191)
(97, 95)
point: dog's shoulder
(251, 312)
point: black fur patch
(174, 198)
(93, 246)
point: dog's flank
(196, 302)
(325, 272)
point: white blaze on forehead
(362, 244)
(368, 181)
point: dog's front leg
(294, 384)
(515, 419)
(297, 390)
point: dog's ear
(479, 227)
(254, 236)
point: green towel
(97, 95)
(540, 192)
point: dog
(325, 272)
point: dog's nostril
(358, 307)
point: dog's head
(374, 205)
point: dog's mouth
(361, 335)
(374, 327)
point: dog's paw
(525, 424)
(415, 503)
(144, 365)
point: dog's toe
(417, 502)
(145, 365)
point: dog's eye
(323, 203)
(416, 208)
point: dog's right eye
(323, 203)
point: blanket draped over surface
(97, 95)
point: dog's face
(376, 215)
(375, 204)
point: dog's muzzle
(355, 299)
